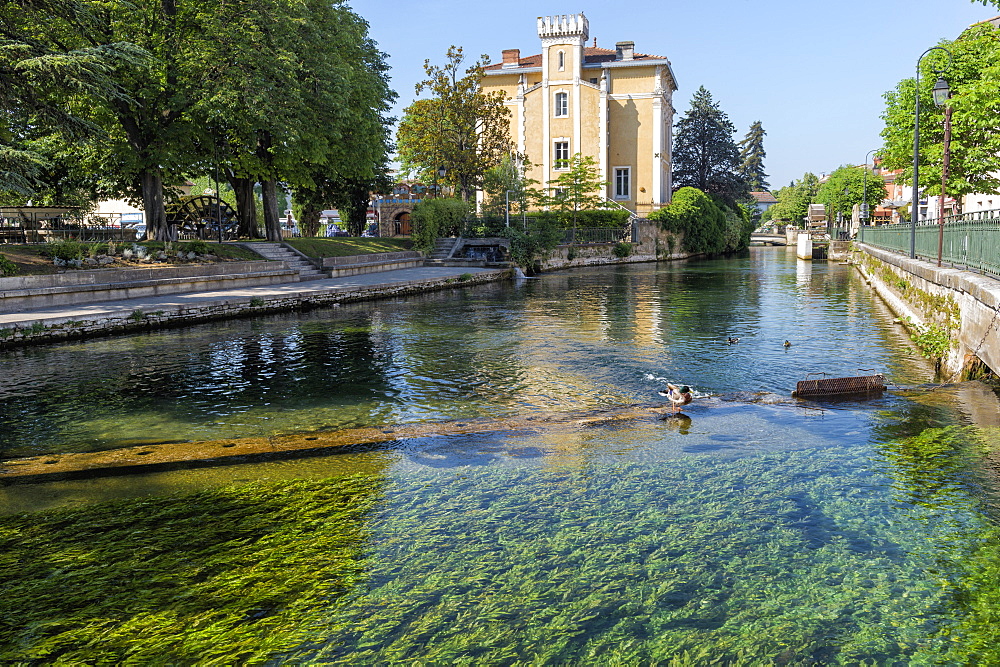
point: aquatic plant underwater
(805, 557)
(744, 533)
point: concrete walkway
(51, 324)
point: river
(755, 528)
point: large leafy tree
(794, 199)
(846, 187)
(705, 154)
(752, 156)
(459, 128)
(46, 72)
(284, 93)
(973, 74)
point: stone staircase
(279, 253)
(443, 247)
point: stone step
(272, 252)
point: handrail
(970, 240)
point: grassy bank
(345, 247)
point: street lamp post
(507, 196)
(940, 95)
(864, 196)
(944, 175)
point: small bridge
(768, 239)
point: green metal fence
(486, 227)
(970, 240)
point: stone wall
(19, 293)
(955, 309)
(59, 329)
(653, 245)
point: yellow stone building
(615, 106)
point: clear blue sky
(813, 72)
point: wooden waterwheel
(199, 216)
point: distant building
(613, 105)
(763, 200)
(393, 210)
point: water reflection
(751, 529)
(585, 338)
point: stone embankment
(953, 314)
(19, 293)
(68, 322)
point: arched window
(562, 104)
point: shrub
(615, 218)
(526, 246)
(198, 247)
(708, 225)
(432, 218)
(64, 250)
(7, 267)
(622, 249)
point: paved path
(105, 308)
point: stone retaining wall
(962, 305)
(67, 329)
(26, 292)
(653, 245)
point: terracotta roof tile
(764, 197)
(592, 55)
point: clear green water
(749, 533)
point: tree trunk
(309, 224)
(246, 205)
(152, 204)
(272, 224)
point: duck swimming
(678, 396)
(732, 340)
(788, 343)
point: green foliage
(577, 189)
(610, 218)
(506, 182)
(436, 217)
(705, 155)
(622, 249)
(7, 267)
(196, 246)
(461, 129)
(934, 341)
(131, 99)
(465, 277)
(752, 156)
(542, 236)
(65, 250)
(972, 75)
(856, 182)
(708, 226)
(794, 199)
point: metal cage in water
(857, 385)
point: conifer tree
(705, 155)
(752, 158)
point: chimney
(511, 57)
(625, 51)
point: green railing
(970, 240)
(486, 227)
